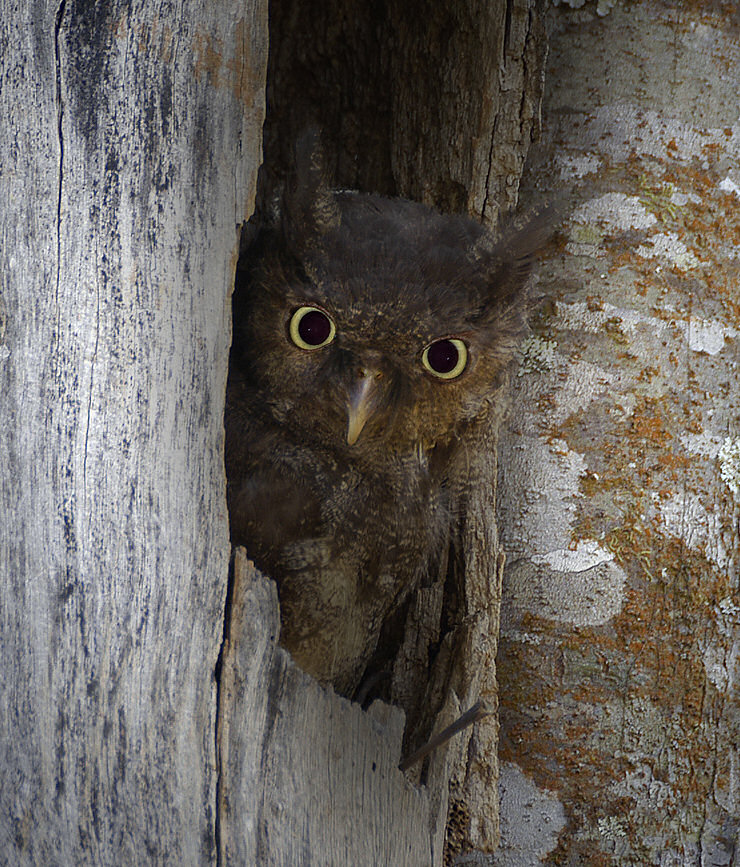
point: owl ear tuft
(509, 256)
(310, 207)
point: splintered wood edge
(300, 768)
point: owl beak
(360, 404)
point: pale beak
(360, 404)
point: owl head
(375, 325)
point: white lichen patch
(538, 506)
(610, 129)
(729, 465)
(718, 662)
(684, 517)
(586, 554)
(524, 637)
(668, 246)
(707, 335)
(578, 316)
(729, 186)
(641, 785)
(531, 819)
(611, 828)
(577, 166)
(539, 495)
(680, 199)
(537, 354)
(603, 7)
(573, 386)
(703, 443)
(729, 609)
(616, 211)
(591, 597)
(715, 666)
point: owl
(370, 334)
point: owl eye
(311, 328)
(446, 358)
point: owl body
(344, 541)
(370, 334)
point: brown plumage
(369, 334)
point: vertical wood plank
(128, 153)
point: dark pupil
(443, 356)
(314, 328)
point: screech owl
(369, 335)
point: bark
(434, 102)
(128, 156)
(620, 502)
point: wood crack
(220, 711)
(60, 137)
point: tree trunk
(128, 155)
(128, 158)
(620, 468)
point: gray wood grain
(128, 156)
(307, 778)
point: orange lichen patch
(647, 374)
(648, 423)
(605, 710)
(672, 461)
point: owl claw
(479, 710)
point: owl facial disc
(361, 403)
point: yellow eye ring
(310, 328)
(446, 358)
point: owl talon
(479, 710)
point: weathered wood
(620, 502)
(128, 152)
(306, 776)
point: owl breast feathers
(369, 334)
